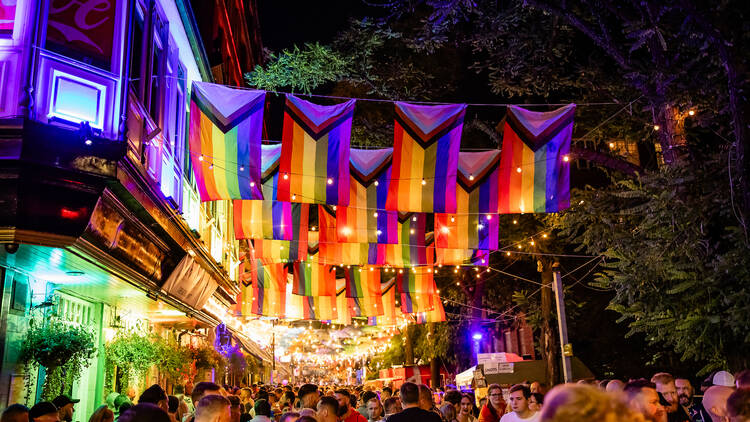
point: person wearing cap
(64, 406)
(724, 379)
(44, 411)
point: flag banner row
(424, 171)
(265, 291)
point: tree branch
(606, 160)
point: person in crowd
(665, 386)
(235, 408)
(310, 412)
(538, 387)
(120, 401)
(144, 412)
(453, 397)
(289, 416)
(614, 385)
(102, 414)
(287, 401)
(412, 412)
(386, 393)
(466, 409)
(723, 378)
(581, 402)
(365, 397)
(346, 412)
(686, 398)
(44, 412)
(738, 405)
(495, 407)
(742, 379)
(328, 409)
(173, 406)
(307, 418)
(426, 400)
(155, 395)
(643, 398)
(246, 396)
(200, 390)
(715, 402)
(213, 408)
(15, 413)
(536, 401)
(391, 406)
(374, 409)
(130, 392)
(448, 412)
(262, 410)
(308, 396)
(64, 406)
(519, 404)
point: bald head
(615, 385)
(715, 401)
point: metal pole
(566, 348)
(273, 354)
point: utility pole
(566, 348)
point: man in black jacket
(412, 412)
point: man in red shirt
(346, 412)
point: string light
(294, 196)
(515, 221)
(286, 176)
(612, 145)
(242, 168)
(519, 246)
(489, 216)
(330, 181)
(518, 169)
(411, 231)
(200, 157)
(657, 127)
(471, 177)
(423, 182)
(252, 184)
(379, 232)
(376, 183)
(691, 113)
(544, 235)
(375, 214)
(566, 158)
(507, 253)
(444, 229)
(453, 219)
(531, 243)
(211, 166)
(414, 218)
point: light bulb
(423, 182)
(489, 216)
(471, 177)
(691, 113)
(515, 221)
(375, 214)
(411, 231)
(252, 184)
(200, 157)
(376, 183)
(518, 169)
(566, 158)
(211, 166)
(242, 168)
(507, 253)
(330, 181)
(657, 127)
(286, 176)
(611, 144)
(294, 196)
(444, 229)
(379, 232)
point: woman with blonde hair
(580, 402)
(102, 414)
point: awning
(190, 283)
(465, 378)
(254, 349)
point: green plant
(174, 360)
(134, 354)
(62, 348)
(206, 357)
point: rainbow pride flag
(362, 281)
(314, 164)
(391, 312)
(321, 308)
(270, 251)
(269, 218)
(224, 136)
(534, 171)
(268, 289)
(425, 158)
(365, 219)
(342, 308)
(480, 257)
(437, 314)
(313, 279)
(416, 302)
(368, 306)
(475, 223)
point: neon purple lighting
(477, 336)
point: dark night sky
(286, 23)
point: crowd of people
(663, 398)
